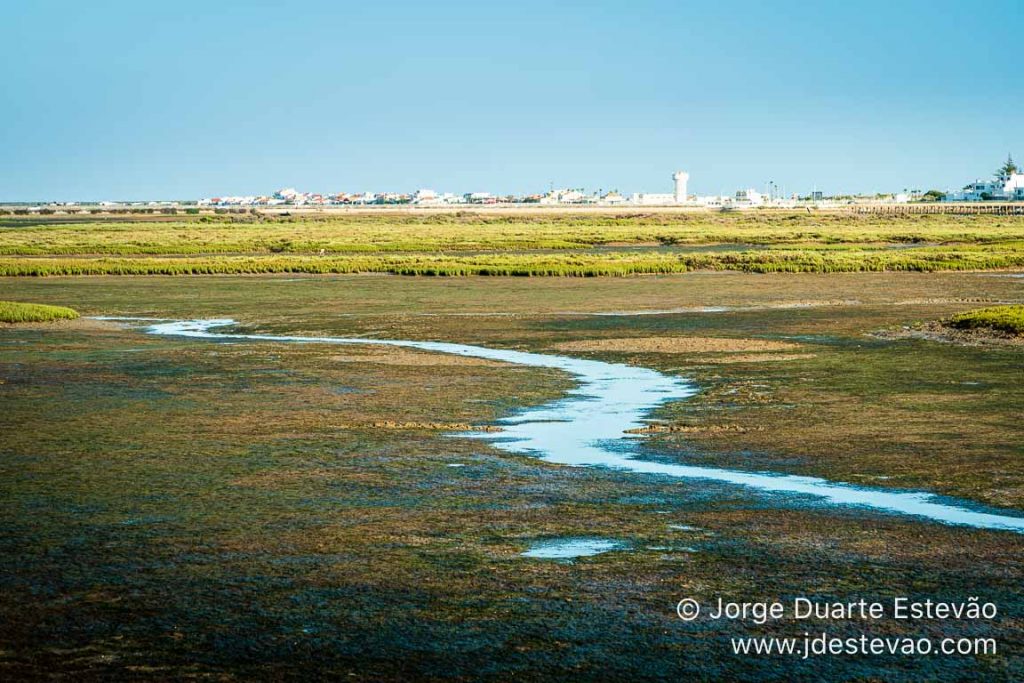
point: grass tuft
(16, 312)
(1000, 318)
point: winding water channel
(586, 428)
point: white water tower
(680, 178)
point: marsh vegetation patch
(1005, 319)
(695, 344)
(552, 244)
(16, 312)
(990, 326)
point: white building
(654, 198)
(613, 198)
(1007, 185)
(563, 196)
(676, 197)
(748, 198)
(713, 201)
(425, 197)
(680, 178)
(288, 194)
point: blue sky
(132, 100)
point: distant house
(425, 197)
(613, 197)
(748, 198)
(654, 198)
(1007, 185)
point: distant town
(1006, 185)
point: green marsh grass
(1001, 318)
(557, 244)
(16, 312)
(566, 264)
(387, 232)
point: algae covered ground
(174, 508)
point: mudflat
(219, 508)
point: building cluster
(1007, 185)
(292, 197)
(558, 197)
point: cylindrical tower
(680, 178)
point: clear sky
(133, 100)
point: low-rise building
(425, 197)
(1007, 185)
(748, 198)
(479, 198)
(654, 198)
(613, 198)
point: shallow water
(568, 548)
(586, 428)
